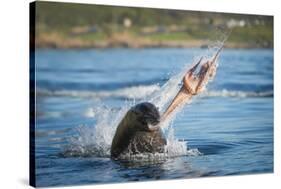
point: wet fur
(133, 135)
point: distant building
(127, 22)
(235, 23)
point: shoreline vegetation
(55, 41)
(70, 25)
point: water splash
(96, 140)
(176, 147)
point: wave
(95, 86)
(136, 92)
(144, 91)
(240, 94)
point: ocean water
(81, 95)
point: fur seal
(138, 132)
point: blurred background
(70, 25)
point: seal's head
(147, 116)
(141, 118)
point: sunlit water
(83, 94)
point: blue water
(231, 124)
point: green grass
(252, 34)
(176, 36)
(61, 18)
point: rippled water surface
(81, 95)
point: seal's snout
(155, 121)
(149, 114)
(152, 121)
